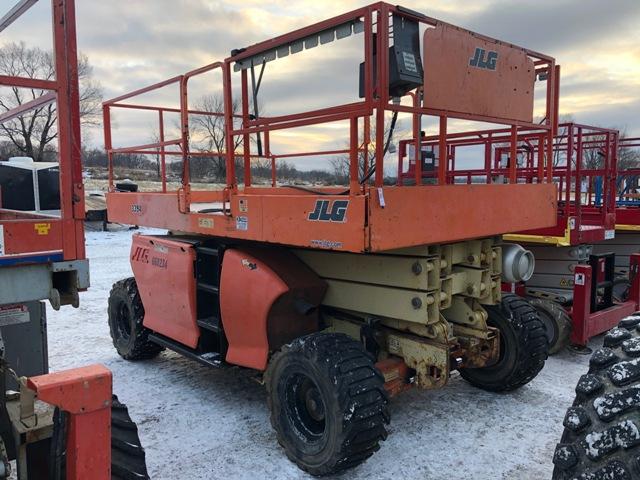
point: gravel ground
(200, 423)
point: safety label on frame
(1, 239)
(242, 223)
(13, 314)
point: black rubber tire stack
(349, 403)
(601, 439)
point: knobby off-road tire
(523, 347)
(601, 439)
(128, 460)
(556, 321)
(328, 403)
(126, 314)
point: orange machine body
(268, 298)
(467, 76)
(164, 271)
(383, 219)
(497, 80)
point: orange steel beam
(85, 394)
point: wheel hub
(124, 320)
(305, 407)
(314, 404)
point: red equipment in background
(32, 238)
(580, 218)
(42, 256)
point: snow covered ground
(200, 423)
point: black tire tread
(359, 385)
(562, 320)
(128, 461)
(606, 407)
(142, 348)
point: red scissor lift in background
(42, 257)
(584, 169)
(628, 191)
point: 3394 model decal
(328, 211)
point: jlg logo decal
(484, 60)
(141, 255)
(325, 211)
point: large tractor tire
(126, 314)
(557, 323)
(328, 403)
(601, 439)
(523, 347)
(128, 460)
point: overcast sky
(132, 43)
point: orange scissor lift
(343, 296)
(575, 303)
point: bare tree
(208, 132)
(593, 156)
(32, 133)
(340, 164)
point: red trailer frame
(376, 216)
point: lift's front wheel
(523, 347)
(557, 323)
(328, 404)
(126, 314)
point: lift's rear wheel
(128, 460)
(601, 439)
(557, 323)
(126, 314)
(523, 347)
(328, 404)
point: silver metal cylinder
(518, 263)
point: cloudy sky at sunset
(132, 43)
